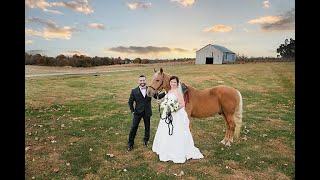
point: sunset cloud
(276, 23)
(51, 30)
(138, 5)
(218, 28)
(185, 3)
(81, 6)
(41, 4)
(28, 42)
(96, 25)
(33, 52)
(266, 4)
(265, 19)
(73, 52)
(144, 50)
(179, 50)
(287, 22)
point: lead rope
(168, 119)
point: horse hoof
(223, 142)
(228, 143)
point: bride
(175, 143)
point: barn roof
(223, 49)
(220, 48)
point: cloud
(28, 42)
(276, 23)
(96, 25)
(265, 19)
(137, 5)
(266, 4)
(179, 50)
(218, 28)
(79, 6)
(245, 29)
(41, 4)
(144, 50)
(33, 52)
(73, 52)
(287, 22)
(185, 3)
(51, 30)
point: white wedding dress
(179, 146)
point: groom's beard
(142, 84)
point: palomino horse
(221, 99)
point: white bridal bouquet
(169, 105)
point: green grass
(73, 122)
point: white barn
(214, 54)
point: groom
(142, 109)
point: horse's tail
(238, 117)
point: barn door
(209, 60)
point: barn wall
(229, 57)
(208, 51)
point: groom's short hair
(142, 76)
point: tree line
(286, 51)
(86, 61)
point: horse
(222, 99)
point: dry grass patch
(212, 171)
(280, 148)
(270, 173)
(257, 89)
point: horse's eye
(157, 80)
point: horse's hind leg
(225, 139)
(232, 125)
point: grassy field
(77, 126)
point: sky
(156, 29)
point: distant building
(214, 54)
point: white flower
(169, 105)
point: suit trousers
(134, 127)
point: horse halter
(159, 85)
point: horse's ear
(161, 70)
(154, 69)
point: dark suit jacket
(142, 104)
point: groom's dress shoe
(130, 148)
(146, 143)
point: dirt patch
(210, 170)
(91, 177)
(149, 155)
(160, 167)
(279, 147)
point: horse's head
(159, 82)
